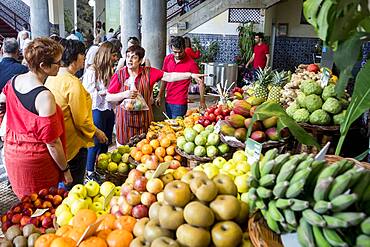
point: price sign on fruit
(90, 231)
(39, 212)
(108, 198)
(161, 169)
(325, 77)
(253, 150)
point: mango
(241, 134)
(235, 120)
(242, 107)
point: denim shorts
(174, 111)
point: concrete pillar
(112, 14)
(154, 27)
(130, 19)
(56, 16)
(39, 18)
(154, 36)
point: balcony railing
(174, 9)
(11, 17)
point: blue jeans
(104, 120)
(174, 111)
(78, 167)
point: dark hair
(78, 29)
(41, 50)
(117, 45)
(133, 40)
(111, 30)
(25, 26)
(178, 42)
(71, 50)
(187, 42)
(260, 35)
(55, 37)
(137, 50)
(10, 45)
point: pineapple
(264, 77)
(278, 82)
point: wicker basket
(200, 159)
(117, 178)
(260, 234)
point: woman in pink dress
(35, 139)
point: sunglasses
(58, 63)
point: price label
(161, 169)
(90, 231)
(39, 212)
(109, 198)
(217, 127)
(325, 77)
(253, 150)
(290, 239)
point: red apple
(47, 214)
(42, 230)
(43, 192)
(140, 211)
(174, 164)
(28, 205)
(219, 117)
(152, 163)
(46, 204)
(115, 210)
(17, 209)
(140, 184)
(34, 221)
(126, 188)
(27, 211)
(34, 196)
(25, 199)
(206, 123)
(211, 109)
(148, 199)
(125, 208)
(57, 199)
(133, 175)
(9, 215)
(25, 220)
(65, 194)
(47, 222)
(6, 225)
(133, 198)
(218, 112)
(52, 210)
(201, 121)
(258, 136)
(212, 117)
(49, 198)
(16, 219)
(38, 203)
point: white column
(75, 17)
(130, 19)
(39, 18)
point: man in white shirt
(20, 35)
(73, 36)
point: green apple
(64, 218)
(142, 168)
(125, 157)
(235, 172)
(228, 166)
(210, 128)
(92, 188)
(99, 198)
(106, 188)
(123, 167)
(223, 148)
(80, 190)
(241, 183)
(100, 213)
(103, 163)
(239, 156)
(78, 205)
(112, 167)
(244, 197)
(198, 128)
(89, 200)
(211, 171)
(117, 191)
(97, 206)
(243, 166)
(199, 168)
(61, 208)
(71, 198)
(219, 162)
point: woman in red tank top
(35, 139)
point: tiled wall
(289, 52)
(228, 45)
(365, 52)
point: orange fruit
(154, 143)
(75, 233)
(138, 156)
(107, 223)
(172, 137)
(170, 150)
(147, 149)
(160, 152)
(144, 158)
(177, 157)
(84, 218)
(119, 238)
(63, 242)
(63, 230)
(134, 151)
(165, 142)
(93, 242)
(168, 158)
(160, 159)
(103, 233)
(45, 240)
(125, 222)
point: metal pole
(74, 14)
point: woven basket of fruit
(135, 139)
(200, 159)
(117, 178)
(260, 234)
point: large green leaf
(359, 104)
(310, 11)
(269, 109)
(323, 20)
(345, 58)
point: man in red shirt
(261, 54)
(177, 92)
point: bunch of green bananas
(320, 202)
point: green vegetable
(311, 88)
(339, 118)
(320, 117)
(313, 102)
(301, 116)
(332, 106)
(292, 109)
(329, 91)
(300, 99)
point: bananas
(326, 204)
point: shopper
(177, 92)
(35, 138)
(95, 81)
(21, 33)
(76, 105)
(189, 49)
(131, 123)
(261, 54)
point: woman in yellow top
(76, 104)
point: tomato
(218, 112)
(212, 117)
